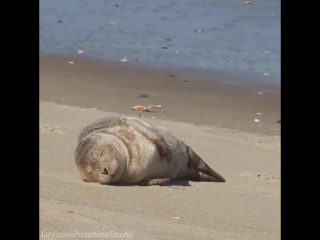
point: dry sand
(247, 206)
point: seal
(129, 122)
(123, 155)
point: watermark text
(86, 234)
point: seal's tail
(197, 163)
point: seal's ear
(105, 171)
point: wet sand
(187, 97)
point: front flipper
(152, 182)
(151, 134)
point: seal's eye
(105, 171)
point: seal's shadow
(182, 183)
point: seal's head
(101, 157)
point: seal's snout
(111, 162)
(104, 177)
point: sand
(214, 118)
(247, 206)
(187, 97)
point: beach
(247, 206)
(212, 67)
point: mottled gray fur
(142, 127)
(123, 155)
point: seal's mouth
(106, 177)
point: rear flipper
(152, 135)
(196, 176)
(160, 182)
(195, 162)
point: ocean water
(238, 40)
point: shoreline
(224, 76)
(237, 38)
(186, 97)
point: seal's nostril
(105, 171)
